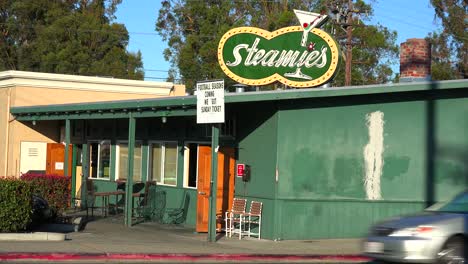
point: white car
(437, 235)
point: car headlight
(413, 231)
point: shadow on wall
(444, 164)
(253, 122)
(430, 146)
(452, 165)
(48, 129)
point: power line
(406, 23)
(153, 70)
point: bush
(55, 189)
(15, 204)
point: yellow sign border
(276, 77)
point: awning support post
(67, 147)
(129, 184)
(213, 183)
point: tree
(441, 57)
(373, 46)
(70, 37)
(192, 30)
(450, 47)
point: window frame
(98, 141)
(162, 143)
(186, 171)
(117, 160)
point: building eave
(75, 82)
(158, 105)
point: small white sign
(58, 165)
(210, 102)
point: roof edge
(190, 101)
(14, 76)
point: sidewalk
(108, 238)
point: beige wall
(43, 131)
(179, 90)
(27, 96)
(28, 89)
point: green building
(325, 162)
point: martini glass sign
(308, 21)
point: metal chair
(142, 210)
(254, 216)
(177, 215)
(233, 217)
(77, 201)
(91, 195)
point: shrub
(15, 204)
(54, 188)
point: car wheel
(453, 252)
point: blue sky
(410, 18)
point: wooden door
(56, 159)
(203, 187)
(225, 188)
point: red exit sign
(240, 170)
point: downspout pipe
(67, 148)
(7, 132)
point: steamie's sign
(298, 56)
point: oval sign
(254, 56)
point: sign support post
(210, 110)
(213, 182)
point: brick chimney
(415, 60)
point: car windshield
(459, 204)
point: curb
(177, 257)
(36, 236)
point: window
(122, 161)
(99, 159)
(163, 163)
(190, 165)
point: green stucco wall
(322, 165)
(257, 137)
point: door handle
(202, 193)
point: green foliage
(450, 47)
(441, 65)
(372, 56)
(54, 189)
(70, 37)
(15, 204)
(374, 48)
(192, 30)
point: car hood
(423, 218)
